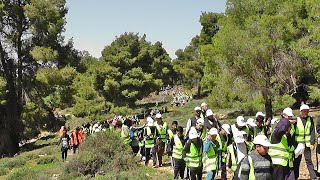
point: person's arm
(313, 132)
(188, 126)
(244, 169)
(318, 126)
(206, 146)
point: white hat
(262, 140)
(203, 104)
(150, 121)
(226, 127)
(288, 111)
(260, 114)
(274, 120)
(240, 121)
(250, 122)
(200, 121)
(197, 108)
(243, 132)
(193, 133)
(158, 116)
(304, 107)
(209, 113)
(213, 131)
(238, 138)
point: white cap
(240, 121)
(274, 120)
(203, 104)
(197, 108)
(288, 111)
(158, 116)
(150, 121)
(213, 131)
(200, 121)
(260, 114)
(226, 127)
(238, 138)
(250, 122)
(193, 133)
(209, 113)
(304, 107)
(243, 132)
(262, 140)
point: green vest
(162, 131)
(223, 147)
(177, 148)
(231, 152)
(149, 141)
(303, 134)
(210, 160)
(170, 133)
(194, 156)
(281, 153)
(126, 138)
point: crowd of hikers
(257, 148)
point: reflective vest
(203, 134)
(281, 153)
(149, 141)
(262, 132)
(210, 159)
(170, 133)
(126, 138)
(162, 131)
(231, 152)
(177, 148)
(303, 134)
(75, 139)
(194, 156)
(223, 145)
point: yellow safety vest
(170, 133)
(177, 148)
(223, 147)
(194, 157)
(126, 138)
(162, 131)
(210, 160)
(233, 157)
(281, 153)
(303, 134)
(149, 142)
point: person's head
(259, 120)
(159, 118)
(199, 124)
(225, 129)
(64, 131)
(150, 121)
(179, 131)
(204, 107)
(261, 144)
(251, 124)
(212, 134)
(241, 122)
(304, 110)
(77, 129)
(209, 114)
(174, 124)
(197, 111)
(245, 135)
(287, 113)
(193, 134)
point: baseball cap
(209, 113)
(203, 104)
(150, 121)
(213, 131)
(193, 133)
(238, 138)
(240, 121)
(250, 122)
(197, 108)
(288, 111)
(200, 121)
(226, 127)
(262, 140)
(158, 116)
(304, 107)
(260, 114)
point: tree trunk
(199, 91)
(268, 108)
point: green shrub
(31, 156)
(46, 160)
(3, 171)
(22, 173)
(49, 150)
(281, 102)
(14, 163)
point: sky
(94, 24)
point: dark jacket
(280, 130)
(214, 123)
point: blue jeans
(210, 175)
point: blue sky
(94, 24)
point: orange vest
(81, 136)
(75, 140)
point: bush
(49, 150)
(22, 173)
(14, 163)
(281, 102)
(3, 171)
(31, 156)
(46, 160)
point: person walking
(65, 144)
(75, 140)
(258, 164)
(305, 134)
(201, 131)
(282, 150)
(210, 121)
(170, 134)
(178, 143)
(224, 141)
(193, 120)
(210, 154)
(192, 153)
(158, 149)
(150, 135)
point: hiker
(261, 127)
(135, 130)
(210, 121)
(204, 107)
(125, 132)
(178, 143)
(61, 130)
(210, 153)
(241, 147)
(193, 155)
(231, 162)
(305, 134)
(171, 133)
(65, 144)
(223, 141)
(149, 134)
(193, 120)
(81, 135)
(75, 139)
(201, 131)
(158, 149)
(282, 149)
(258, 164)
(252, 130)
